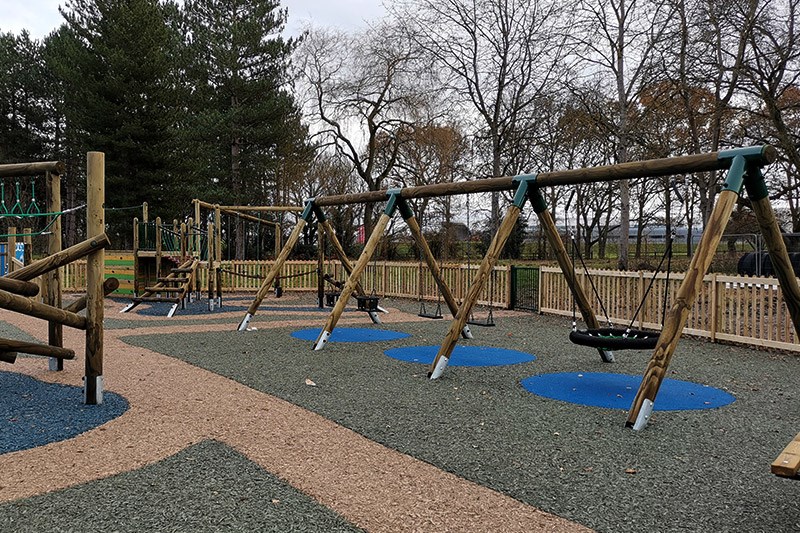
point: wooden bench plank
(787, 464)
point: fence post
(509, 304)
(715, 308)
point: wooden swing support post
(309, 211)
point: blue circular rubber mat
(352, 335)
(462, 355)
(617, 391)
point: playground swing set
(743, 172)
(19, 292)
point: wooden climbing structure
(177, 256)
(20, 293)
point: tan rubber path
(174, 405)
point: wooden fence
(748, 310)
(384, 278)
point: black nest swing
(611, 338)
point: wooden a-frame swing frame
(743, 166)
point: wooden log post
(278, 238)
(145, 213)
(675, 319)
(779, 256)
(218, 240)
(135, 256)
(27, 246)
(320, 265)
(196, 230)
(430, 260)
(95, 269)
(211, 266)
(355, 275)
(481, 276)
(276, 267)
(52, 280)
(11, 249)
(159, 230)
(184, 241)
(567, 268)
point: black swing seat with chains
(367, 303)
(615, 338)
(425, 313)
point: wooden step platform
(163, 289)
(787, 464)
(182, 270)
(173, 280)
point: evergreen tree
(244, 132)
(119, 72)
(23, 122)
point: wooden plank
(787, 464)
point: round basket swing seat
(615, 338)
(367, 303)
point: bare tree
(706, 61)
(360, 90)
(619, 42)
(498, 58)
(772, 72)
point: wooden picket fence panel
(385, 278)
(743, 309)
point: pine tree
(120, 74)
(244, 129)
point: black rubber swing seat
(615, 338)
(367, 303)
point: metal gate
(525, 288)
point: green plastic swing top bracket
(394, 201)
(744, 169)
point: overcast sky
(40, 17)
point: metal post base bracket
(644, 415)
(98, 387)
(321, 340)
(439, 369)
(245, 322)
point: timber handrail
(61, 258)
(31, 169)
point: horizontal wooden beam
(23, 305)
(61, 258)
(8, 345)
(624, 171)
(17, 286)
(250, 207)
(8, 357)
(31, 169)
(787, 464)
